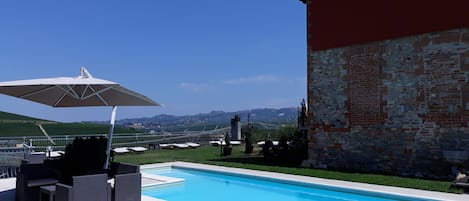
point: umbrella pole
(109, 136)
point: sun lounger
(181, 146)
(138, 149)
(193, 145)
(461, 183)
(120, 150)
(166, 146)
(217, 143)
(261, 143)
(54, 154)
(37, 153)
(223, 143)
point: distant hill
(212, 119)
(19, 125)
(9, 117)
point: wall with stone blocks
(398, 106)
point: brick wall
(397, 106)
(339, 23)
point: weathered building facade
(391, 95)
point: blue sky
(193, 56)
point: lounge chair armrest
(41, 182)
(123, 168)
(63, 192)
(127, 187)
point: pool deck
(406, 192)
(7, 186)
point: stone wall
(398, 106)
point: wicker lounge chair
(85, 188)
(127, 187)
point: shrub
(83, 156)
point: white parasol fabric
(81, 91)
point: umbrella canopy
(81, 91)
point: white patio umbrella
(81, 91)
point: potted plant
(228, 148)
(248, 139)
(84, 156)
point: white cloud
(254, 79)
(194, 87)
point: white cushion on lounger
(121, 150)
(191, 144)
(138, 149)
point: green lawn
(211, 155)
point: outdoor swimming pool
(203, 185)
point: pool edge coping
(373, 189)
(163, 180)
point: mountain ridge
(213, 118)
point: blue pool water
(208, 186)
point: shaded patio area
(7, 189)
